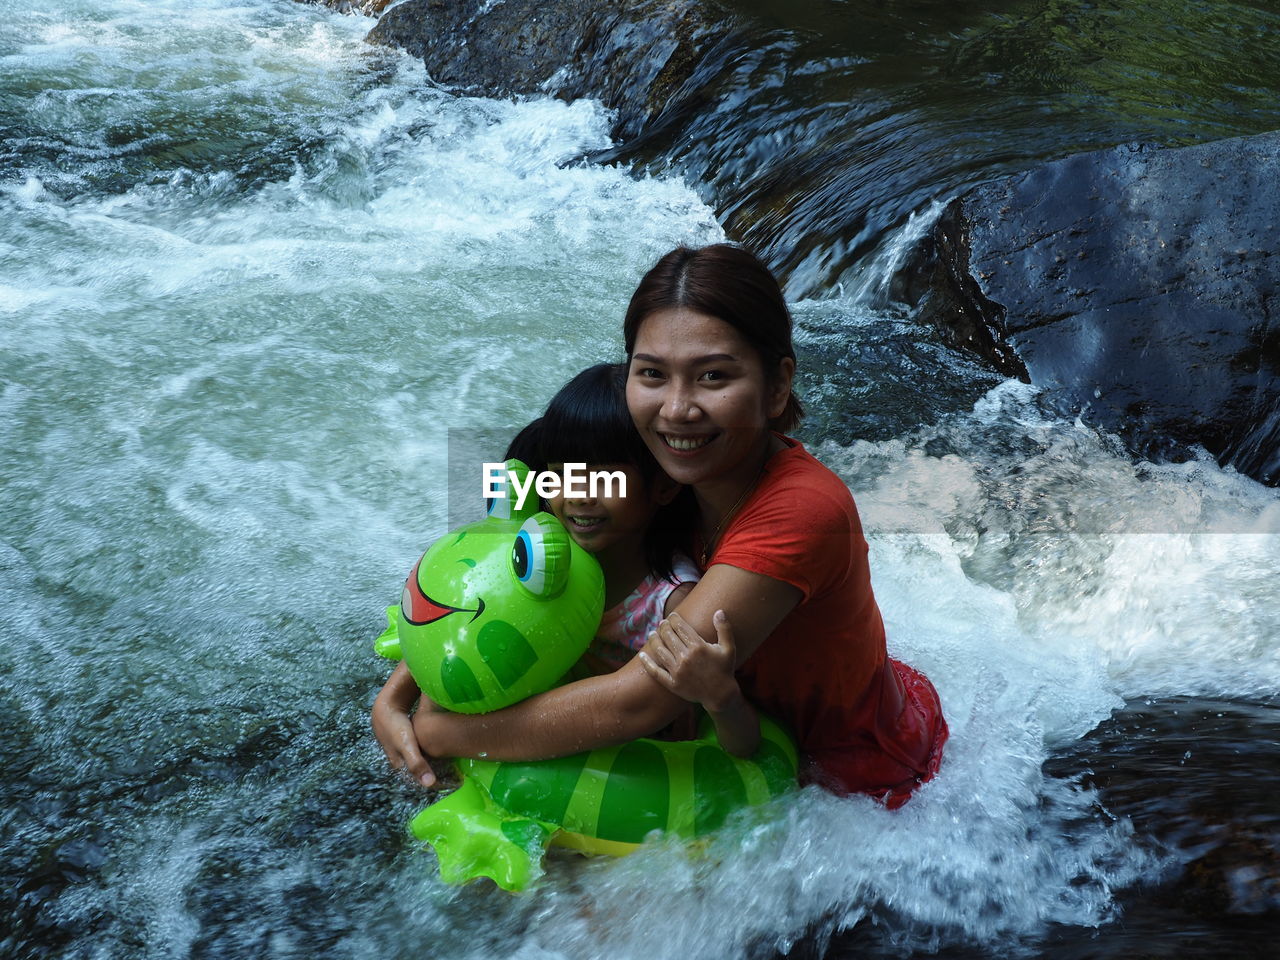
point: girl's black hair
(587, 421)
(526, 446)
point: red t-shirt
(867, 723)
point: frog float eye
(499, 507)
(514, 485)
(540, 556)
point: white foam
(1138, 579)
(227, 402)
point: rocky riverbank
(1138, 286)
(1135, 284)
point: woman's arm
(700, 672)
(604, 711)
(583, 715)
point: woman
(708, 337)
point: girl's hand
(677, 657)
(394, 729)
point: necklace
(715, 534)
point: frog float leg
(473, 837)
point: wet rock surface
(1137, 285)
(635, 55)
(1197, 779)
(369, 8)
(716, 92)
(812, 128)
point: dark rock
(636, 56)
(1197, 779)
(1134, 284)
(699, 87)
(813, 129)
(1137, 285)
(732, 100)
(1240, 877)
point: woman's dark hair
(730, 284)
(587, 422)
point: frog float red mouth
(419, 609)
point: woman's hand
(394, 728)
(677, 657)
(427, 721)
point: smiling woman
(711, 363)
(709, 338)
(700, 395)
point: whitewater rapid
(256, 279)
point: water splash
(226, 379)
(870, 283)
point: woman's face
(699, 396)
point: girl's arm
(701, 672)
(394, 729)
(621, 706)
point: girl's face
(600, 522)
(699, 396)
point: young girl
(632, 536)
(635, 538)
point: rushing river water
(253, 276)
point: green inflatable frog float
(499, 610)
